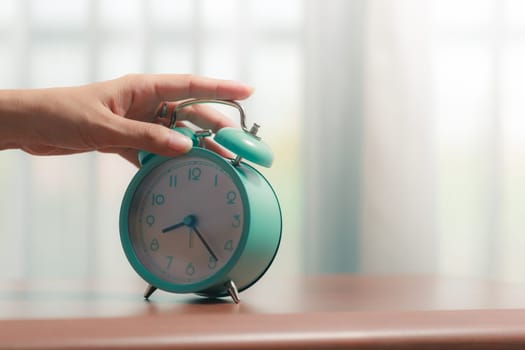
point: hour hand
(173, 227)
(187, 221)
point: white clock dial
(186, 220)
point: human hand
(116, 116)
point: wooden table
(329, 312)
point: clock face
(186, 220)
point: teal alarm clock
(201, 223)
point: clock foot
(150, 290)
(232, 291)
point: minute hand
(204, 242)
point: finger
(215, 147)
(150, 137)
(211, 144)
(163, 115)
(129, 154)
(173, 87)
(205, 117)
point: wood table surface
(309, 312)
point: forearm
(16, 109)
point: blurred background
(398, 128)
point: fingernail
(179, 142)
(249, 87)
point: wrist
(15, 114)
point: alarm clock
(201, 223)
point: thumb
(153, 138)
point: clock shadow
(197, 305)
(208, 301)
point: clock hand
(190, 221)
(187, 221)
(204, 242)
(173, 227)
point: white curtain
(430, 177)
(399, 154)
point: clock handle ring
(230, 103)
